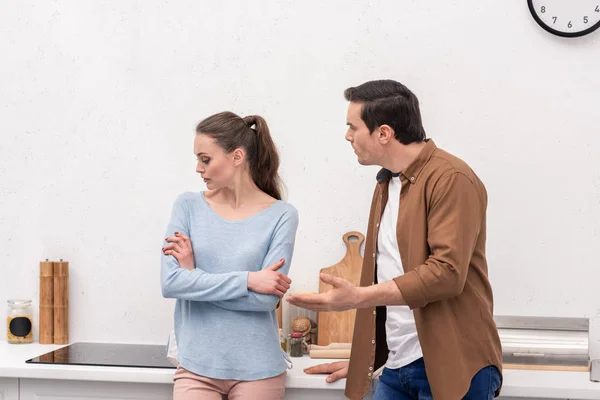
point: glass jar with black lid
(19, 322)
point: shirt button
(374, 312)
(378, 224)
(370, 368)
(369, 374)
(373, 255)
(373, 341)
(412, 178)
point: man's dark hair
(387, 102)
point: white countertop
(517, 383)
(13, 357)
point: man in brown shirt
(425, 304)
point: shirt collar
(411, 173)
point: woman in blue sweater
(226, 259)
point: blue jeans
(410, 383)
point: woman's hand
(269, 281)
(180, 247)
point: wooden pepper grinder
(61, 302)
(46, 302)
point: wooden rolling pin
(534, 367)
(331, 346)
(331, 353)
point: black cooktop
(107, 354)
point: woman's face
(214, 166)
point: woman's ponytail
(264, 166)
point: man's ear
(386, 134)
(238, 156)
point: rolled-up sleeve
(453, 226)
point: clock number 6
(569, 24)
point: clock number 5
(585, 20)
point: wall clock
(566, 18)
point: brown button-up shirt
(441, 234)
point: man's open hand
(341, 297)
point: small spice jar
(19, 326)
(296, 342)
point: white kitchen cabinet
(316, 394)
(9, 389)
(523, 398)
(53, 389)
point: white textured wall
(98, 102)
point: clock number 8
(544, 9)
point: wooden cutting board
(337, 327)
(279, 314)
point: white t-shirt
(400, 328)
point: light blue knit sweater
(223, 330)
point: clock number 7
(554, 18)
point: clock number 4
(597, 9)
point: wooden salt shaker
(46, 302)
(61, 302)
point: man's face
(366, 145)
